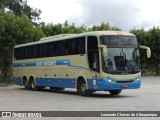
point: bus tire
(26, 86)
(26, 83)
(33, 86)
(82, 88)
(115, 92)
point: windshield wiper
(129, 63)
(131, 66)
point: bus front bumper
(104, 85)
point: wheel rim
(26, 83)
(33, 84)
(83, 88)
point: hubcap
(33, 84)
(83, 88)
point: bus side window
(25, 52)
(43, 50)
(73, 47)
(63, 48)
(69, 47)
(33, 50)
(56, 49)
(37, 51)
(16, 53)
(49, 49)
(21, 54)
(29, 52)
(82, 45)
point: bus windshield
(123, 55)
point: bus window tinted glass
(114, 41)
(58, 48)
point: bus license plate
(125, 85)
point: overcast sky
(125, 14)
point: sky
(125, 14)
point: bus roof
(69, 36)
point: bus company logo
(6, 114)
(66, 62)
(49, 63)
(39, 63)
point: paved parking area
(147, 98)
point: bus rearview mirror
(104, 50)
(148, 53)
(148, 50)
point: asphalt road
(147, 98)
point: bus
(89, 62)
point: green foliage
(150, 38)
(17, 26)
(6, 43)
(50, 29)
(14, 30)
(21, 8)
(25, 32)
(103, 26)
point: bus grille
(125, 81)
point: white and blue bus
(88, 62)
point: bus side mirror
(104, 50)
(146, 48)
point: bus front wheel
(115, 92)
(82, 89)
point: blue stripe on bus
(43, 63)
(101, 84)
(47, 63)
(56, 82)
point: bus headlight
(138, 79)
(110, 80)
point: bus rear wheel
(82, 89)
(33, 85)
(26, 84)
(115, 92)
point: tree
(103, 26)
(14, 30)
(151, 39)
(50, 29)
(154, 43)
(21, 8)
(142, 37)
(54, 29)
(25, 31)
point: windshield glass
(121, 58)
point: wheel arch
(25, 78)
(32, 77)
